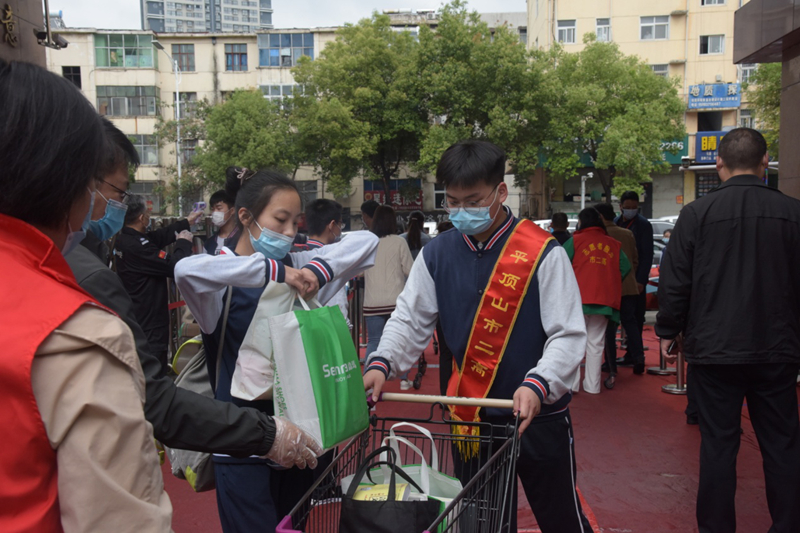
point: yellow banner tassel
(467, 439)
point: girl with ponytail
(251, 495)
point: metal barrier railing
(662, 369)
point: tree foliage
(365, 80)
(481, 85)
(613, 108)
(763, 90)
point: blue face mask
(666, 240)
(273, 245)
(75, 237)
(112, 221)
(476, 220)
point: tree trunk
(605, 181)
(387, 183)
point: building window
(121, 101)
(266, 18)
(712, 44)
(236, 57)
(284, 49)
(147, 146)
(746, 118)
(712, 2)
(654, 28)
(188, 104)
(566, 31)
(523, 36)
(660, 70)
(438, 196)
(73, 74)
(747, 70)
(603, 30)
(184, 55)
(188, 150)
(266, 4)
(124, 51)
(308, 190)
(278, 92)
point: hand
(293, 446)
(528, 405)
(303, 280)
(186, 235)
(640, 287)
(192, 218)
(666, 343)
(374, 379)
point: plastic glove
(293, 446)
(186, 235)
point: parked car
(671, 219)
(545, 224)
(659, 227)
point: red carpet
(637, 461)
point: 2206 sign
(672, 146)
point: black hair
(52, 144)
(628, 195)
(443, 226)
(742, 149)
(121, 153)
(470, 163)
(559, 221)
(221, 196)
(320, 213)
(136, 206)
(416, 221)
(384, 221)
(590, 218)
(606, 211)
(369, 207)
(253, 190)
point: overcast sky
(124, 14)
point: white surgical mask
(218, 218)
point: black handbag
(388, 516)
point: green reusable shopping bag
(318, 384)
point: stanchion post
(662, 369)
(680, 386)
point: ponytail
(416, 221)
(253, 190)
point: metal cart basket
(484, 505)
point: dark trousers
(158, 340)
(770, 391)
(255, 497)
(546, 468)
(445, 360)
(631, 314)
(610, 353)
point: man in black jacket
(729, 296)
(144, 266)
(634, 307)
(180, 418)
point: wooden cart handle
(446, 400)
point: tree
(613, 108)
(475, 84)
(764, 93)
(364, 78)
(246, 130)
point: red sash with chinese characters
(493, 324)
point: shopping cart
(486, 503)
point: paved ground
(637, 461)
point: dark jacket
(562, 236)
(180, 419)
(143, 266)
(730, 282)
(210, 244)
(643, 234)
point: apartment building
(691, 40)
(190, 16)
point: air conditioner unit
(431, 16)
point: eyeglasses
(472, 208)
(122, 193)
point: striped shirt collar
(313, 243)
(498, 234)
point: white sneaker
(405, 385)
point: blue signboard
(707, 145)
(715, 96)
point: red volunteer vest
(40, 293)
(596, 265)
